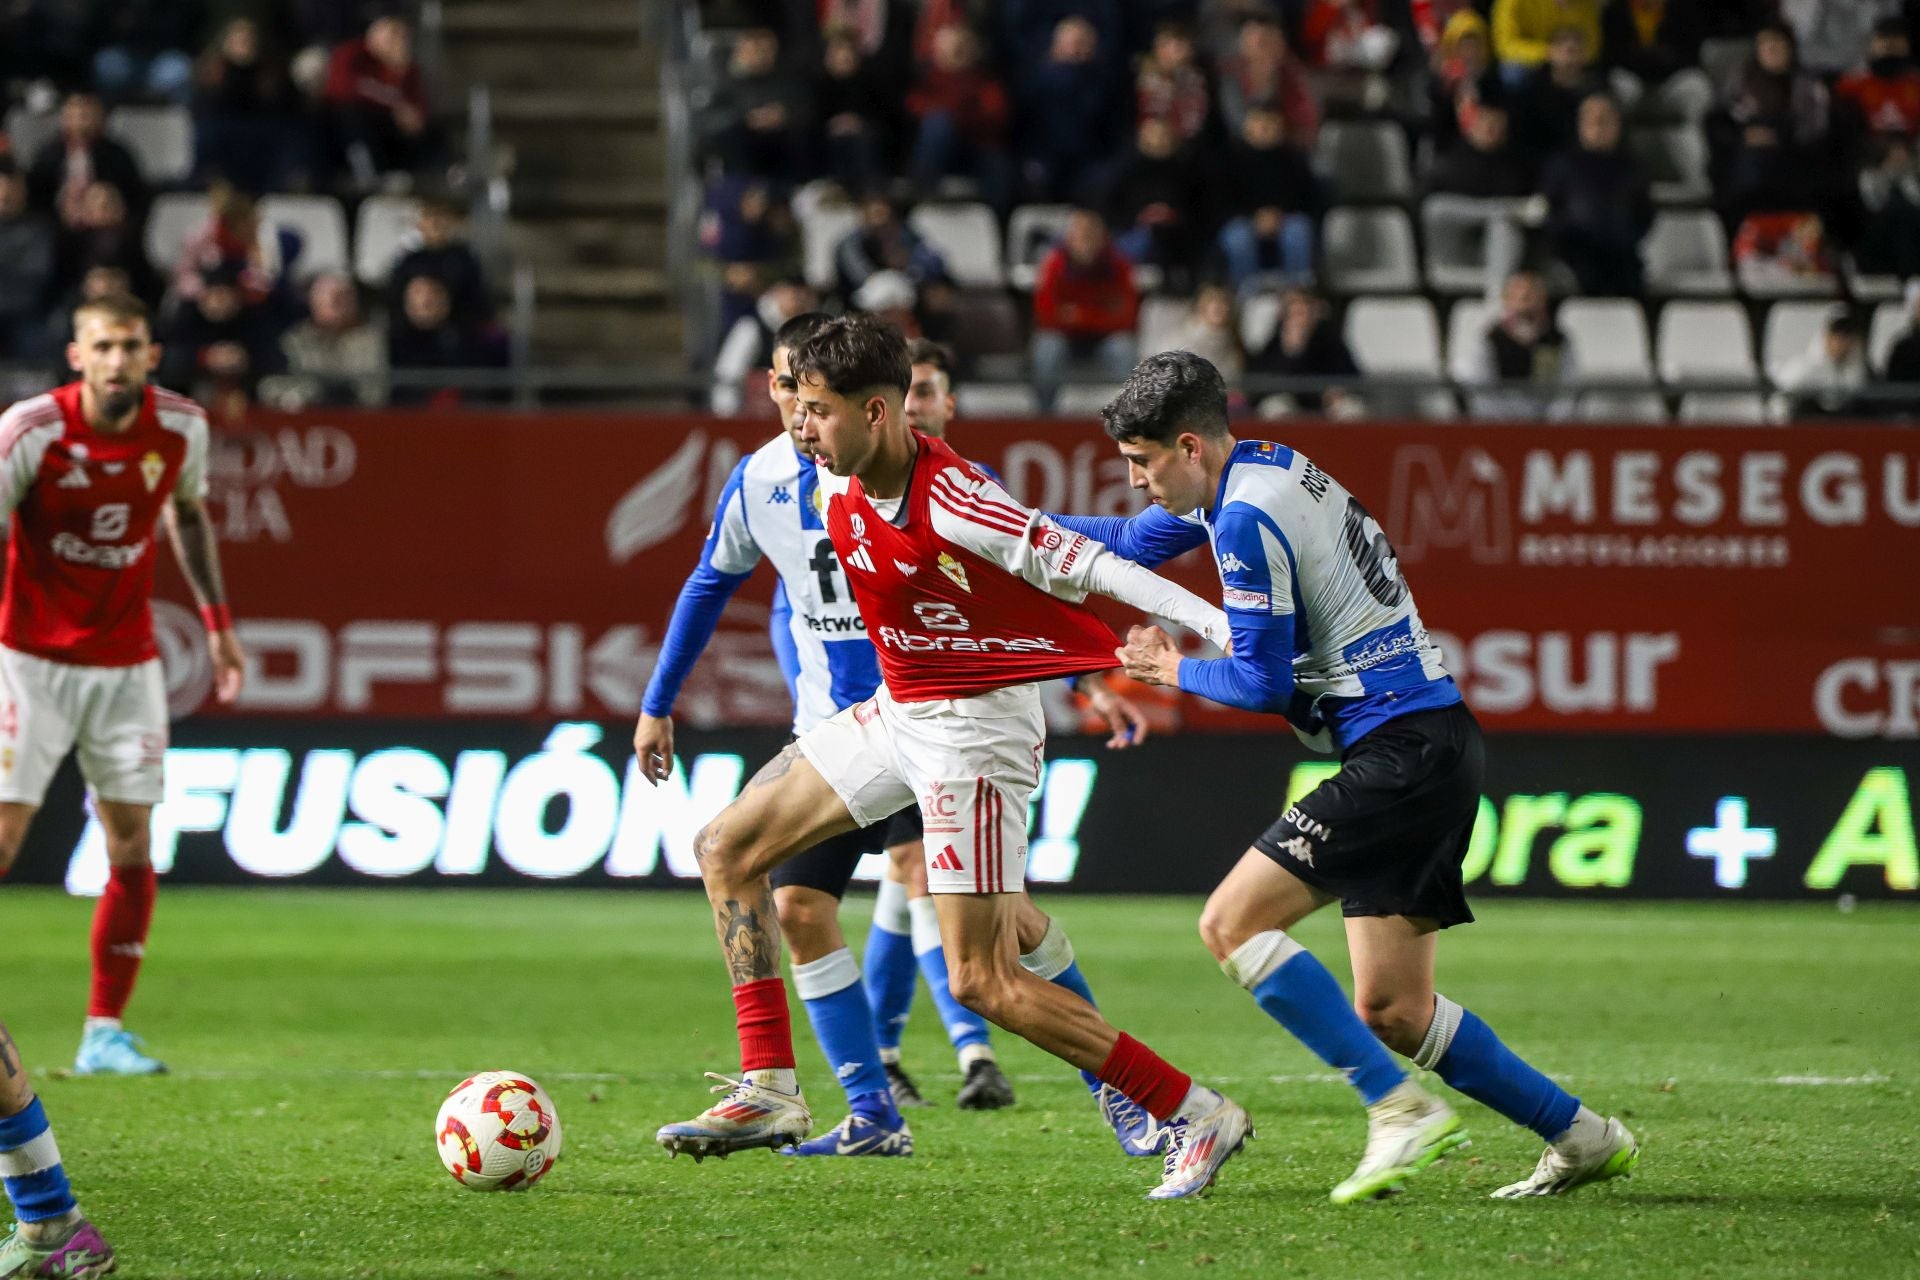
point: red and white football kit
(970, 598)
(78, 663)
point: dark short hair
(854, 353)
(927, 351)
(1165, 395)
(797, 330)
(1888, 28)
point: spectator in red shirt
(378, 102)
(1884, 95)
(1084, 308)
(1170, 85)
(1347, 35)
(962, 110)
(1261, 71)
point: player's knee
(9, 850)
(718, 855)
(1398, 1019)
(1221, 929)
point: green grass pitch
(1765, 1055)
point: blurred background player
(970, 600)
(50, 1238)
(1325, 632)
(86, 473)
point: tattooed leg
(749, 936)
(15, 1091)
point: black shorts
(904, 826)
(829, 865)
(1387, 834)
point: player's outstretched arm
(1152, 537)
(727, 559)
(979, 515)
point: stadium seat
(1457, 245)
(1686, 253)
(1621, 406)
(986, 322)
(1674, 161)
(1259, 318)
(1085, 399)
(1394, 336)
(1031, 232)
(1609, 337)
(1714, 407)
(1705, 342)
(1721, 56)
(995, 400)
(1365, 159)
(1758, 283)
(382, 231)
(161, 139)
(1160, 321)
(170, 223)
(28, 131)
(1889, 323)
(1370, 251)
(968, 237)
(1791, 327)
(1467, 325)
(822, 227)
(322, 226)
(1866, 287)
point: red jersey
(1888, 104)
(969, 591)
(82, 507)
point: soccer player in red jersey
(86, 473)
(970, 599)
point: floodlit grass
(1765, 1055)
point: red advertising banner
(1580, 579)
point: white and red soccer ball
(497, 1131)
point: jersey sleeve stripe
(24, 427)
(967, 509)
(946, 481)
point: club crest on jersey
(152, 467)
(859, 527)
(955, 571)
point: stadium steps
(589, 164)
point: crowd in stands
(1201, 151)
(275, 102)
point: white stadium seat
(1370, 251)
(1737, 408)
(322, 227)
(1889, 324)
(967, 236)
(1674, 161)
(1394, 336)
(173, 220)
(1085, 399)
(995, 400)
(1467, 325)
(1365, 159)
(385, 228)
(1791, 327)
(1031, 232)
(1160, 321)
(1705, 342)
(1621, 406)
(1609, 337)
(1259, 319)
(823, 226)
(161, 139)
(28, 132)
(1686, 253)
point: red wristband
(218, 617)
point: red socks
(766, 1028)
(120, 924)
(1146, 1077)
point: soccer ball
(497, 1131)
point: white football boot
(1564, 1167)
(1407, 1130)
(1197, 1145)
(751, 1115)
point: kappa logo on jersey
(953, 569)
(948, 860)
(860, 559)
(1231, 563)
(906, 570)
(779, 495)
(152, 467)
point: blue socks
(1053, 960)
(1466, 1054)
(30, 1166)
(1296, 991)
(965, 1028)
(891, 972)
(843, 1024)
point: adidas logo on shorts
(947, 860)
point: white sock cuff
(1254, 960)
(890, 908)
(39, 1153)
(1446, 1021)
(818, 979)
(1054, 955)
(972, 1053)
(926, 925)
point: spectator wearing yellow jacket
(1523, 29)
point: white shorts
(969, 763)
(116, 716)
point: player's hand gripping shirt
(965, 591)
(82, 507)
(772, 508)
(1325, 630)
